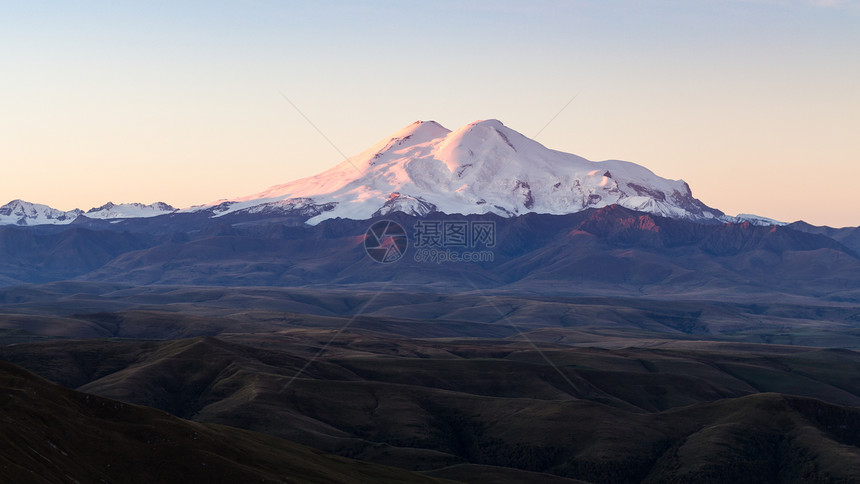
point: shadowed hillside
(679, 412)
(51, 434)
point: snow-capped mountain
(753, 219)
(483, 167)
(19, 212)
(111, 210)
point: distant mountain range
(610, 250)
(19, 212)
(481, 168)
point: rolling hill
(679, 411)
(52, 434)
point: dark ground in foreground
(470, 388)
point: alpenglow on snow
(482, 167)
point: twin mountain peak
(482, 167)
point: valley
(468, 387)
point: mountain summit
(482, 167)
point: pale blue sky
(756, 104)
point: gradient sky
(755, 103)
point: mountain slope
(697, 412)
(29, 255)
(848, 236)
(483, 167)
(611, 250)
(51, 434)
